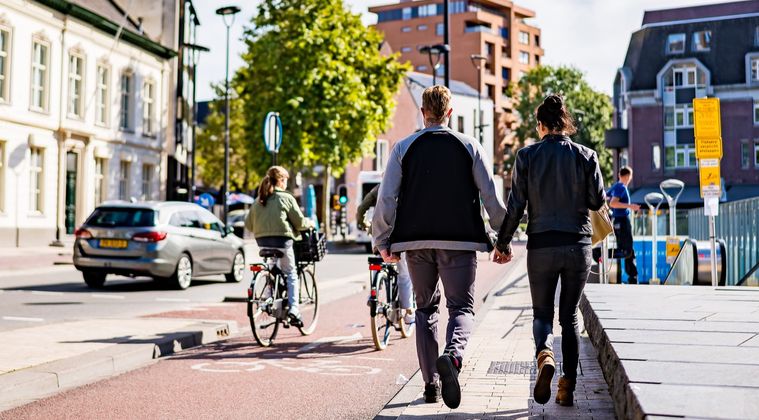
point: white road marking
(104, 296)
(341, 339)
(44, 293)
(384, 359)
(171, 300)
(22, 319)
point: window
(537, 60)
(428, 10)
(683, 116)
(460, 123)
(406, 29)
(655, 157)
(755, 69)
(458, 7)
(406, 49)
(76, 82)
(675, 43)
(745, 154)
(5, 68)
(756, 155)
(681, 156)
(2, 176)
(382, 155)
(537, 40)
(406, 13)
(147, 182)
(669, 118)
(439, 29)
(102, 95)
(505, 73)
(491, 91)
(148, 109)
(524, 57)
(125, 113)
(756, 36)
(505, 33)
(756, 112)
(36, 179)
(524, 38)
(40, 60)
(100, 185)
(489, 49)
(124, 180)
(421, 28)
(685, 76)
(702, 41)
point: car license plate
(113, 243)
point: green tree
(210, 150)
(315, 63)
(592, 110)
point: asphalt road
(40, 295)
(334, 373)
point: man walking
(620, 205)
(429, 207)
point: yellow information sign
(709, 174)
(673, 248)
(707, 128)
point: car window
(191, 219)
(210, 222)
(177, 219)
(121, 217)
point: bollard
(653, 200)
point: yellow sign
(709, 174)
(673, 248)
(707, 128)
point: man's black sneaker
(295, 320)
(432, 392)
(448, 368)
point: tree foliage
(592, 110)
(315, 63)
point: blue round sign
(205, 200)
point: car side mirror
(228, 230)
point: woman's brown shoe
(565, 394)
(546, 369)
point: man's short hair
(625, 170)
(436, 101)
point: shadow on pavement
(121, 284)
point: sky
(591, 35)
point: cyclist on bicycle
(276, 221)
(405, 289)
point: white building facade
(83, 115)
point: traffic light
(336, 202)
(342, 192)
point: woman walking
(276, 220)
(559, 182)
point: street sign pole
(708, 133)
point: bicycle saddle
(270, 253)
(375, 260)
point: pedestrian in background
(429, 207)
(276, 221)
(558, 181)
(620, 212)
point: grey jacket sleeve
(484, 181)
(387, 201)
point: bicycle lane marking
(320, 367)
(324, 340)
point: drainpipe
(61, 186)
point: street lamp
(227, 13)
(195, 49)
(435, 52)
(477, 61)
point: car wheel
(94, 279)
(182, 276)
(238, 269)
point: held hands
(388, 257)
(501, 258)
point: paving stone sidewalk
(499, 371)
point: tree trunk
(326, 204)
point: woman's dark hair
(554, 115)
(272, 178)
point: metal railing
(738, 224)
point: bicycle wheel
(262, 323)
(308, 302)
(380, 324)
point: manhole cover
(515, 368)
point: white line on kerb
(22, 319)
(102, 296)
(171, 300)
(44, 293)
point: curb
(31, 384)
(626, 404)
(408, 393)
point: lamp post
(447, 42)
(435, 52)
(477, 61)
(195, 49)
(227, 13)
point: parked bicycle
(267, 295)
(384, 303)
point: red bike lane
(333, 373)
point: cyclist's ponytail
(273, 176)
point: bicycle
(384, 303)
(267, 305)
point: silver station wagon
(169, 241)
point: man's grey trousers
(456, 270)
